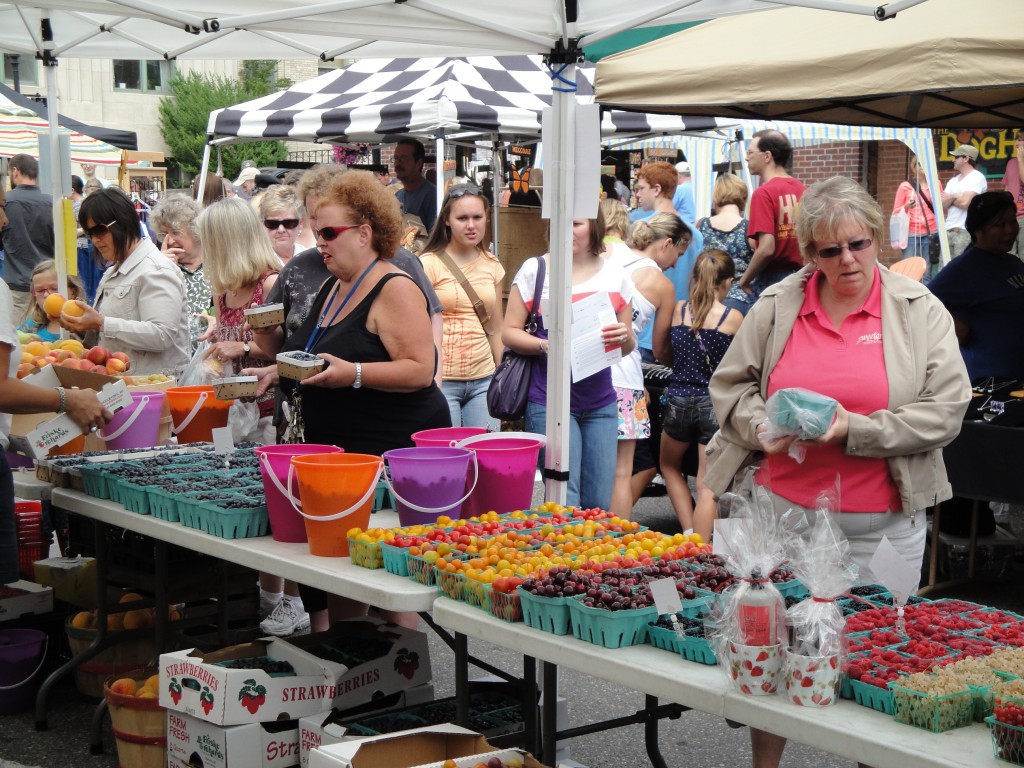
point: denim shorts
(689, 419)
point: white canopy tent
(558, 29)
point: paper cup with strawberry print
(755, 669)
(812, 681)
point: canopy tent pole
(439, 170)
(203, 168)
(56, 183)
(495, 211)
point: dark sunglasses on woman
(273, 224)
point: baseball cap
(247, 174)
(966, 150)
(683, 167)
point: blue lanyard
(320, 328)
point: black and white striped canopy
(374, 99)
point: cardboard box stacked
(237, 716)
(430, 747)
(24, 598)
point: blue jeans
(917, 245)
(467, 401)
(593, 444)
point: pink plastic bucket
(286, 524)
(428, 482)
(445, 437)
(136, 425)
(507, 467)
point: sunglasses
(461, 190)
(97, 230)
(327, 234)
(273, 224)
(835, 250)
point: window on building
(28, 71)
(151, 75)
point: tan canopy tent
(951, 65)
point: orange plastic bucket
(335, 493)
(196, 412)
(75, 445)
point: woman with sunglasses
(242, 268)
(471, 346)
(282, 216)
(881, 345)
(140, 307)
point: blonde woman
(241, 268)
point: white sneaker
(286, 619)
(267, 605)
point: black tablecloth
(984, 462)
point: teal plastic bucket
(22, 653)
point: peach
(40, 362)
(53, 304)
(130, 597)
(98, 355)
(24, 369)
(145, 692)
(84, 620)
(124, 686)
(115, 366)
(36, 348)
(73, 308)
(59, 354)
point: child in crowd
(44, 282)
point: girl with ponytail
(701, 331)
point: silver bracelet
(63, 400)
(359, 376)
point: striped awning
(19, 134)
(374, 100)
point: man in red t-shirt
(773, 207)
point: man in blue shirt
(682, 200)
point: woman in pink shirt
(915, 198)
(879, 343)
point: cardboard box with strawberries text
(257, 745)
(417, 748)
(23, 598)
(193, 682)
(379, 658)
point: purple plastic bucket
(432, 478)
(136, 425)
(21, 657)
(286, 524)
(445, 437)
(507, 469)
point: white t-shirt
(627, 373)
(8, 336)
(975, 181)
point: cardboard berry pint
(252, 696)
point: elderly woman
(175, 220)
(726, 230)
(981, 289)
(370, 323)
(140, 306)
(282, 215)
(893, 366)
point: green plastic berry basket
(611, 629)
(507, 606)
(450, 583)
(550, 614)
(191, 509)
(365, 554)
(699, 650)
(1007, 740)
(792, 588)
(871, 696)
(163, 504)
(233, 523)
(932, 713)
(394, 559)
(666, 639)
(132, 496)
(422, 571)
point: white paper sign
(893, 572)
(56, 432)
(222, 440)
(588, 354)
(666, 596)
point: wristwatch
(359, 376)
(246, 348)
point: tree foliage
(185, 114)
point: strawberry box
(198, 684)
(22, 598)
(375, 658)
(256, 745)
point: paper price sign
(666, 598)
